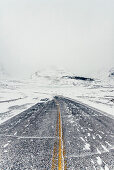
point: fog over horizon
(76, 35)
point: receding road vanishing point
(59, 134)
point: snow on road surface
(30, 139)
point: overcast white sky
(73, 34)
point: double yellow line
(59, 155)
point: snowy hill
(53, 76)
(58, 77)
(105, 75)
(50, 76)
(50, 73)
(111, 73)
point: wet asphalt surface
(27, 140)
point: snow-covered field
(18, 95)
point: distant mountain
(49, 76)
(49, 73)
(53, 76)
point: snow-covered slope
(105, 74)
(50, 73)
(49, 77)
(111, 73)
(17, 96)
(55, 77)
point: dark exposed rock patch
(79, 78)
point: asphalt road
(32, 140)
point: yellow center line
(54, 159)
(59, 145)
(60, 156)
